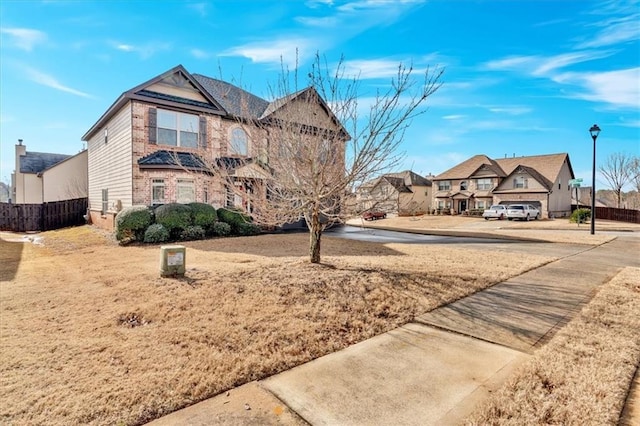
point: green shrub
(192, 233)
(246, 229)
(221, 229)
(174, 217)
(580, 215)
(131, 222)
(234, 218)
(156, 233)
(204, 216)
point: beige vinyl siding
(560, 198)
(28, 188)
(66, 180)
(110, 163)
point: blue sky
(522, 77)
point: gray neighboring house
(42, 177)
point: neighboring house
(156, 143)
(584, 198)
(41, 177)
(404, 193)
(540, 180)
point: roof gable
(236, 101)
(549, 166)
(467, 168)
(174, 88)
(411, 178)
(533, 173)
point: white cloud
(200, 54)
(144, 50)
(374, 4)
(552, 63)
(618, 88)
(510, 110)
(454, 117)
(289, 51)
(509, 63)
(616, 30)
(50, 81)
(125, 47)
(25, 38)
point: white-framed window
(105, 201)
(185, 191)
(239, 142)
(520, 182)
(480, 204)
(157, 191)
(484, 184)
(178, 129)
(444, 185)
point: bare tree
(617, 172)
(318, 143)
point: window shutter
(203, 132)
(153, 125)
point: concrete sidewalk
(431, 371)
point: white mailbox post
(172, 261)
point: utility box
(172, 261)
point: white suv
(522, 211)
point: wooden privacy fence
(42, 217)
(620, 215)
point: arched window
(239, 142)
(463, 185)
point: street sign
(576, 185)
(574, 181)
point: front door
(462, 206)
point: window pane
(238, 142)
(189, 123)
(186, 191)
(167, 137)
(188, 139)
(157, 195)
(167, 119)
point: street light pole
(595, 131)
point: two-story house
(404, 193)
(540, 180)
(165, 139)
(42, 177)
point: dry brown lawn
(90, 334)
(582, 376)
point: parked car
(497, 211)
(374, 215)
(522, 211)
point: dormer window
(239, 142)
(520, 182)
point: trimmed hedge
(131, 223)
(203, 215)
(221, 229)
(234, 218)
(174, 217)
(192, 233)
(246, 229)
(156, 233)
(580, 215)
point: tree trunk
(315, 234)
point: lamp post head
(595, 131)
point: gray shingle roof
(411, 178)
(36, 162)
(165, 159)
(233, 99)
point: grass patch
(91, 334)
(583, 374)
